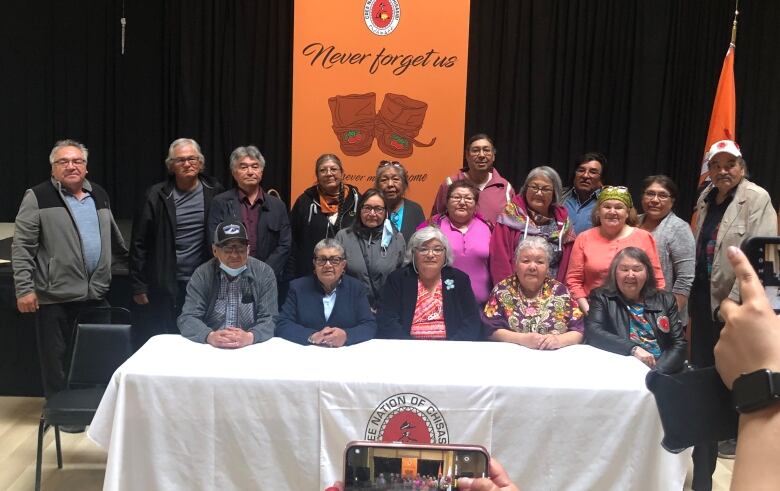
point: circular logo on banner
(663, 323)
(407, 418)
(381, 16)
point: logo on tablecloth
(407, 418)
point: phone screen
(769, 273)
(406, 468)
(764, 255)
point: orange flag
(724, 112)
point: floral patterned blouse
(428, 319)
(553, 311)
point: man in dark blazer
(264, 215)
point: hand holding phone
(384, 465)
(498, 481)
(750, 340)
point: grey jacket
(47, 255)
(381, 262)
(750, 214)
(202, 293)
(677, 252)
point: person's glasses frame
(235, 249)
(66, 162)
(334, 260)
(425, 251)
(661, 196)
(377, 210)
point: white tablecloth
(181, 415)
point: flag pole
(734, 24)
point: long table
(181, 415)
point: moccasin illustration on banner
(398, 123)
(353, 121)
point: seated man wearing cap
(231, 299)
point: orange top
(593, 253)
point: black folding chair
(98, 350)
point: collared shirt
(397, 217)
(250, 216)
(580, 211)
(328, 302)
(86, 218)
(471, 252)
(234, 306)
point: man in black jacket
(170, 239)
(263, 215)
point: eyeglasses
(424, 251)
(333, 169)
(234, 249)
(466, 199)
(65, 162)
(615, 189)
(334, 260)
(652, 195)
(372, 209)
(192, 159)
(478, 150)
(537, 190)
(591, 172)
(385, 163)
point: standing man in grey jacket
(64, 239)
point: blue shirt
(580, 212)
(328, 301)
(86, 218)
(397, 217)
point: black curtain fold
(549, 79)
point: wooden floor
(84, 463)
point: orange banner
(380, 80)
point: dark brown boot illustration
(353, 121)
(398, 122)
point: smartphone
(764, 256)
(398, 466)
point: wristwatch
(756, 390)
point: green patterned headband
(619, 193)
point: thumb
(750, 287)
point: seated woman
(529, 307)
(326, 308)
(427, 298)
(374, 248)
(632, 315)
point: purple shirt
(471, 251)
(250, 216)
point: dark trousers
(159, 315)
(704, 336)
(54, 327)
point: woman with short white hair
(530, 308)
(428, 298)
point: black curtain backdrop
(549, 79)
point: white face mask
(232, 271)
